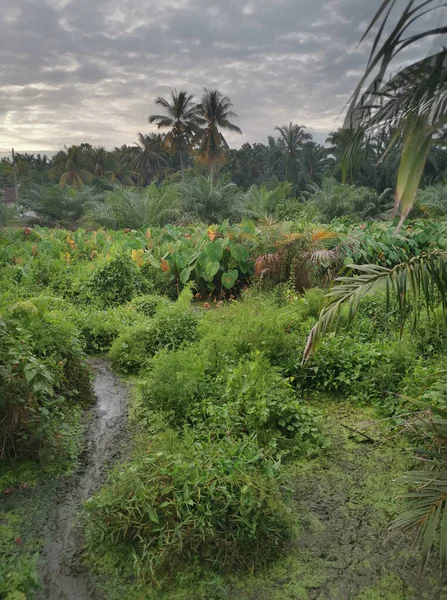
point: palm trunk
(181, 166)
(212, 173)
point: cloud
(83, 70)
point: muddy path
(62, 576)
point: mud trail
(62, 575)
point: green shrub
(256, 323)
(250, 398)
(256, 399)
(148, 304)
(158, 282)
(115, 282)
(43, 379)
(184, 499)
(365, 371)
(98, 328)
(177, 381)
(172, 327)
(312, 299)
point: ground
(341, 500)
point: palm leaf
(424, 276)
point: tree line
(191, 140)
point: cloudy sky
(89, 70)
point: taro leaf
(154, 262)
(229, 278)
(245, 267)
(239, 252)
(185, 275)
(214, 251)
(212, 268)
(181, 260)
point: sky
(75, 71)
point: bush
(116, 282)
(148, 304)
(176, 382)
(172, 327)
(42, 378)
(366, 371)
(256, 323)
(183, 499)
(256, 399)
(251, 398)
(99, 328)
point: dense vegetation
(268, 452)
(224, 407)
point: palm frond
(423, 278)
(412, 103)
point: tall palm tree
(148, 160)
(314, 162)
(74, 176)
(182, 119)
(293, 137)
(215, 110)
(99, 160)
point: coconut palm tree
(182, 119)
(148, 159)
(74, 170)
(99, 160)
(215, 111)
(293, 137)
(74, 176)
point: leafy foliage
(172, 326)
(41, 375)
(134, 208)
(115, 282)
(423, 278)
(190, 498)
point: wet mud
(62, 575)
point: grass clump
(188, 498)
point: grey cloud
(88, 70)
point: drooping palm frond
(411, 104)
(426, 514)
(422, 279)
(298, 256)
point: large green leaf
(212, 268)
(214, 250)
(239, 252)
(185, 275)
(229, 278)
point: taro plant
(216, 260)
